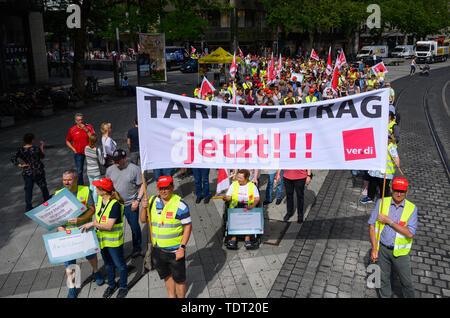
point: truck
(430, 52)
(403, 51)
(378, 50)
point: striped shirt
(93, 155)
(183, 215)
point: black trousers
(374, 184)
(299, 187)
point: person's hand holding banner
(57, 211)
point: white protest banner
(57, 211)
(345, 133)
(243, 221)
(68, 245)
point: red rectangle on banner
(359, 144)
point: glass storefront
(15, 51)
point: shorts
(166, 265)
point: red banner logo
(359, 144)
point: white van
(378, 50)
(403, 51)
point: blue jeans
(29, 182)
(133, 221)
(201, 178)
(79, 164)
(269, 189)
(163, 172)
(113, 257)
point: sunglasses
(399, 191)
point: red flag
(329, 67)
(233, 67)
(234, 94)
(206, 87)
(240, 53)
(379, 68)
(193, 50)
(223, 182)
(314, 55)
(139, 47)
(341, 59)
(335, 80)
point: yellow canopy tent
(219, 56)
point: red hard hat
(104, 183)
(247, 78)
(311, 90)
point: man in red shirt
(77, 139)
(295, 180)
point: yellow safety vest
(196, 91)
(308, 100)
(82, 196)
(234, 195)
(254, 71)
(245, 85)
(113, 238)
(286, 99)
(167, 231)
(390, 166)
(391, 125)
(402, 244)
(371, 82)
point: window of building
(225, 20)
(250, 19)
(241, 18)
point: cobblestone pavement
(331, 252)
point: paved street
(324, 257)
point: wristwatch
(139, 200)
(183, 246)
(310, 175)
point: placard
(245, 222)
(57, 211)
(69, 245)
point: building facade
(23, 59)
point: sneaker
(136, 253)
(287, 217)
(278, 202)
(366, 200)
(99, 280)
(109, 291)
(122, 292)
(72, 293)
(199, 199)
(364, 192)
(206, 201)
(266, 202)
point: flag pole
(147, 209)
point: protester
(201, 180)
(108, 224)
(77, 139)
(392, 228)
(269, 189)
(32, 168)
(127, 179)
(377, 177)
(133, 144)
(294, 180)
(84, 195)
(242, 194)
(109, 145)
(95, 163)
(168, 254)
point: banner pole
(148, 210)
(381, 209)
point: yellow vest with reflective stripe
(308, 99)
(391, 125)
(390, 165)
(167, 231)
(235, 193)
(82, 196)
(286, 99)
(402, 244)
(196, 91)
(371, 82)
(113, 238)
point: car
(190, 66)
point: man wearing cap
(127, 179)
(247, 84)
(310, 98)
(171, 228)
(391, 230)
(84, 195)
